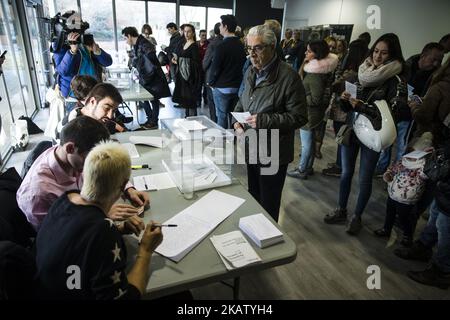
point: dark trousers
(405, 214)
(211, 105)
(337, 126)
(267, 189)
(153, 112)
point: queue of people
(70, 191)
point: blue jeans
(402, 133)
(308, 150)
(367, 165)
(224, 103)
(437, 231)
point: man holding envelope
(275, 99)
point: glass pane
(15, 67)
(193, 15)
(214, 16)
(129, 14)
(62, 6)
(159, 15)
(99, 15)
(38, 50)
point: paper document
(410, 90)
(157, 181)
(131, 148)
(147, 140)
(241, 116)
(189, 125)
(234, 250)
(196, 222)
(261, 230)
(418, 154)
(351, 88)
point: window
(99, 15)
(214, 16)
(62, 6)
(159, 15)
(193, 15)
(129, 14)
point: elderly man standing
(275, 97)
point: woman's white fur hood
(325, 65)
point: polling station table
(202, 265)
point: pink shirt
(45, 182)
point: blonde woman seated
(80, 251)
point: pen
(141, 166)
(164, 225)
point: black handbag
(344, 135)
(437, 167)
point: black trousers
(267, 189)
(211, 105)
(406, 215)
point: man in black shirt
(226, 70)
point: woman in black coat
(188, 75)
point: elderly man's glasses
(257, 49)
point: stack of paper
(195, 222)
(234, 250)
(260, 230)
(157, 181)
(131, 148)
(147, 140)
(189, 125)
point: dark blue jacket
(68, 64)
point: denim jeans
(368, 163)
(337, 126)
(153, 112)
(224, 103)
(402, 133)
(308, 149)
(437, 231)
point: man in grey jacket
(275, 98)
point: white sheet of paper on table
(234, 250)
(196, 222)
(351, 88)
(157, 181)
(131, 148)
(147, 140)
(241, 116)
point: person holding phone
(77, 58)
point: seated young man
(59, 169)
(101, 104)
(78, 232)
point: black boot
(338, 216)
(418, 251)
(432, 276)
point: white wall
(416, 22)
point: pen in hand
(156, 225)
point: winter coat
(186, 91)
(68, 65)
(207, 61)
(280, 103)
(429, 115)
(317, 83)
(443, 187)
(151, 76)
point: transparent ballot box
(197, 153)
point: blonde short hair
(106, 169)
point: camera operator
(76, 58)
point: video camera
(63, 24)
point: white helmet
(376, 140)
